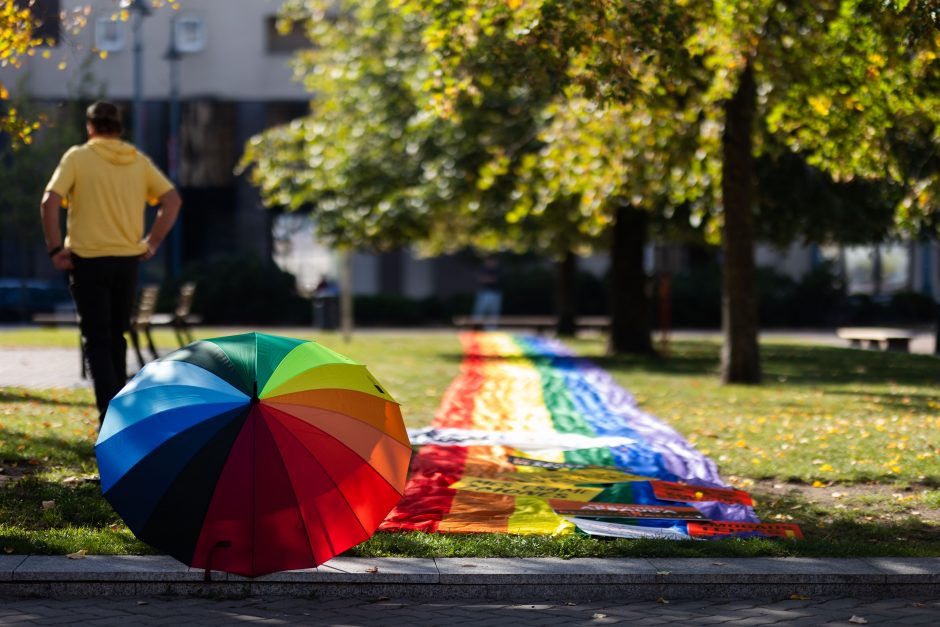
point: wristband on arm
(55, 251)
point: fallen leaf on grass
(799, 597)
(48, 504)
(77, 555)
(114, 527)
(857, 619)
(372, 569)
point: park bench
(181, 319)
(898, 340)
(540, 324)
(143, 320)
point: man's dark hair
(105, 118)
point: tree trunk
(629, 302)
(567, 295)
(740, 357)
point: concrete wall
(235, 64)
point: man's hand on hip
(62, 260)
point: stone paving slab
(522, 571)
(104, 568)
(8, 564)
(487, 578)
(917, 568)
(379, 570)
(756, 570)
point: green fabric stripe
(303, 357)
(255, 356)
(557, 397)
(240, 349)
(616, 493)
(591, 457)
(270, 352)
(211, 357)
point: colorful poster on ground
(618, 530)
(521, 488)
(525, 418)
(715, 529)
(668, 491)
(596, 509)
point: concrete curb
(587, 579)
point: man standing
(107, 184)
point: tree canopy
(840, 82)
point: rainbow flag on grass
(530, 439)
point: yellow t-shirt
(107, 183)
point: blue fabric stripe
(160, 373)
(122, 451)
(597, 414)
(147, 398)
(136, 492)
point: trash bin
(326, 312)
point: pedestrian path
(505, 579)
(42, 368)
(382, 611)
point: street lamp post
(173, 56)
(140, 10)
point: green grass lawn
(846, 443)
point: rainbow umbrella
(253, 454)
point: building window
(877, 270)
(279, 43)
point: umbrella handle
(221, 544)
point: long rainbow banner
(530, 439)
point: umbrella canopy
(253, 454)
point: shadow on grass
(75, 517)
(685, 365)
(46, 397)
(784, 365)
(900, 401)
(849, 533)
(65, 452)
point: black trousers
(104, 289)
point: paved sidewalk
(503, 579)
(151, 610)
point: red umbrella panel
(253, 454)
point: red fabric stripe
(332, 525)
(428, 497)
(280, 537)
(456, 410)
(226, 536)
(253, 525)
(368, 494)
